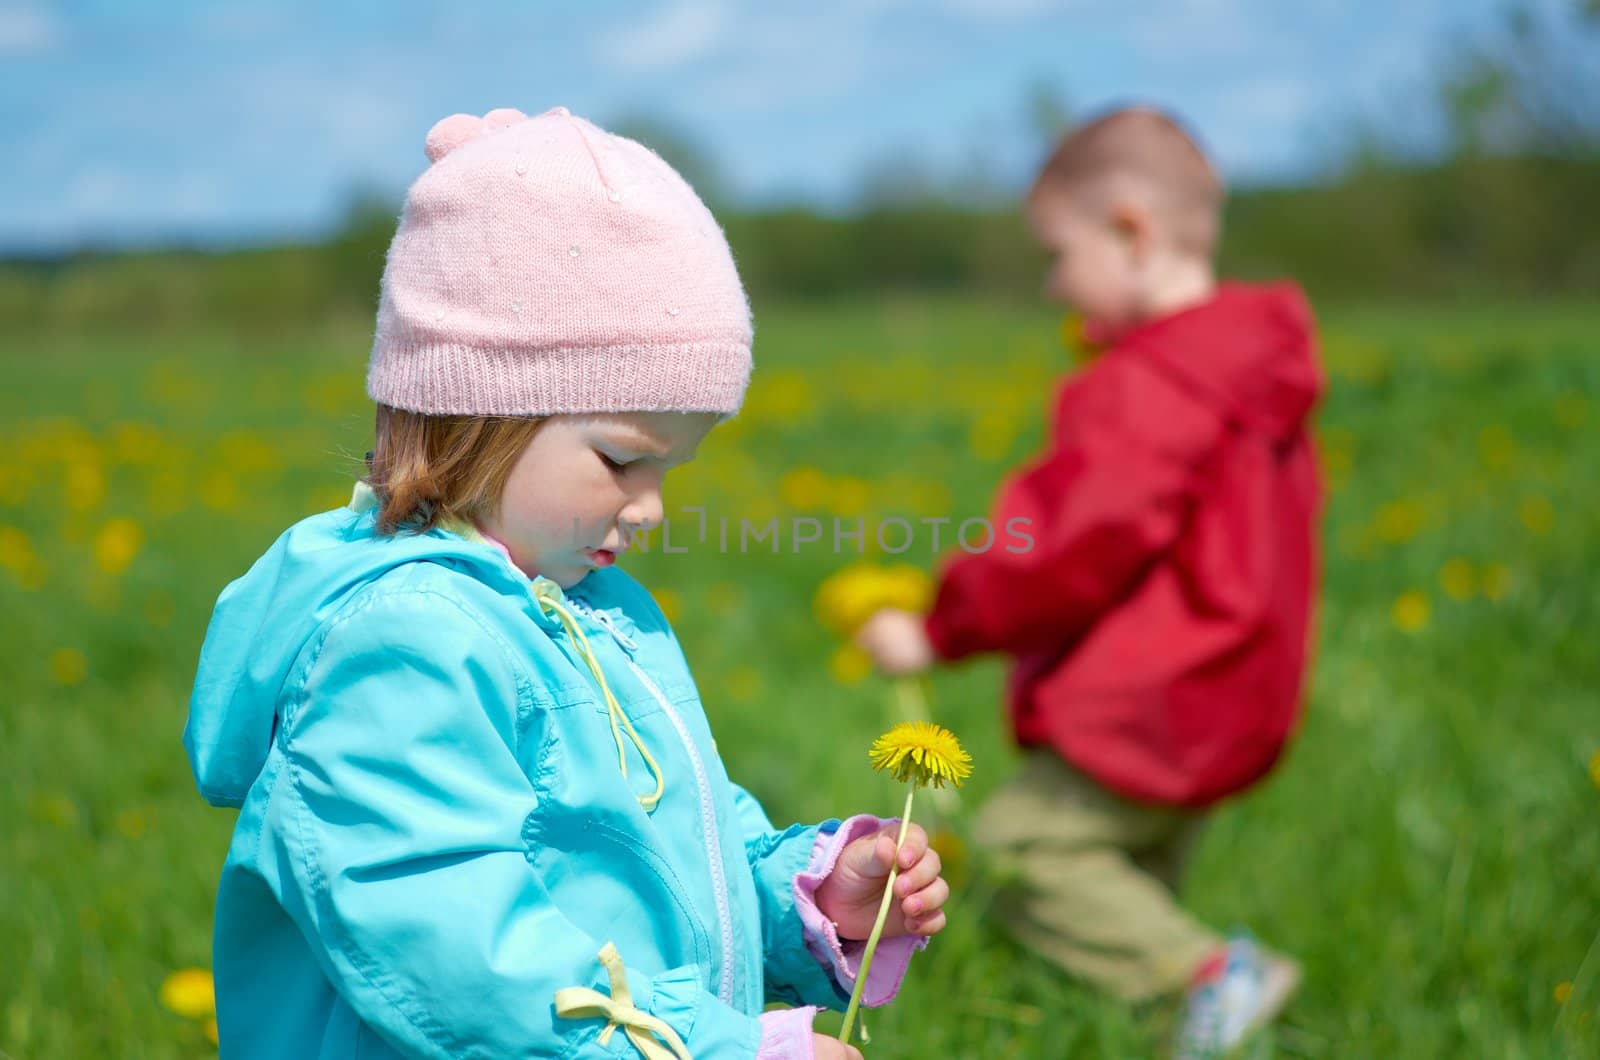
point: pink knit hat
(542, 266)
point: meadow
(1428, 849)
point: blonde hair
(432, 469)
(1150, 152)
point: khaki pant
(1089, 880)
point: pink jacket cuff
(839, 956)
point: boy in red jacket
(1159, 623)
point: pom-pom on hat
(542, 266)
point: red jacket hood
(1249, 351)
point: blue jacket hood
(264, 619)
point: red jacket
(1160, 621)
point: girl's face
(587, 485)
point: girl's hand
(850, 895)
(826, 1048)
(897, 642)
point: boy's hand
(850, 895)
(897, 642)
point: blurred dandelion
(1411, 611)
(1458, 579)
(1537, 515)
(68, 666)
(1496, 581)
(117, 543)
(190, 993)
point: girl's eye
(612, 464)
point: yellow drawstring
(580, 1002)
(544, 591)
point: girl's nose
(644, 511)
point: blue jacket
(435, 833)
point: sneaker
(1238, 990)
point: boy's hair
(432, 469)
(1140, 151)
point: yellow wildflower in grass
(1496, 581)
(804, 489)
(18, 557)
(53, 809)
(116, 544)
(1398, 521)
(1411, 611)
(991, 435)
(849, 665)
(190, 993)
(220, 492)
(919, 753)
(1537, 514)
(85, 486)
(1458, 579)
(1496, 447)
(1594, 768)
(922, 752)
(1563, 993)
(68, 666)
(671, 603)
(850, 495)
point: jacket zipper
(708, 813)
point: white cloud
(679, 33)
(28, 30)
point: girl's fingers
(913, 848)
(918, 876)
(926, 901)
(930, 925)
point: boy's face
(587, 485)
(1094, 266)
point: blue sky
(225, 122)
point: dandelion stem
(877, 926)
(913, 703)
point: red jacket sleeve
(1076, 530)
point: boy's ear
(1135, 225)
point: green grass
(1428, 849)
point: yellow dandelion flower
(1563, 993)
(1399, 521)
(805, 489)
(1496, 447)
(189, 992)
(849, 665)
(1411, 611)
(1496, 581)
(117, 543)
(923, 753)
(1537, 514)
(1458, 579)
(68, 666)
(853, 594)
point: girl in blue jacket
(481, 813)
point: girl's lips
(600, 557)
